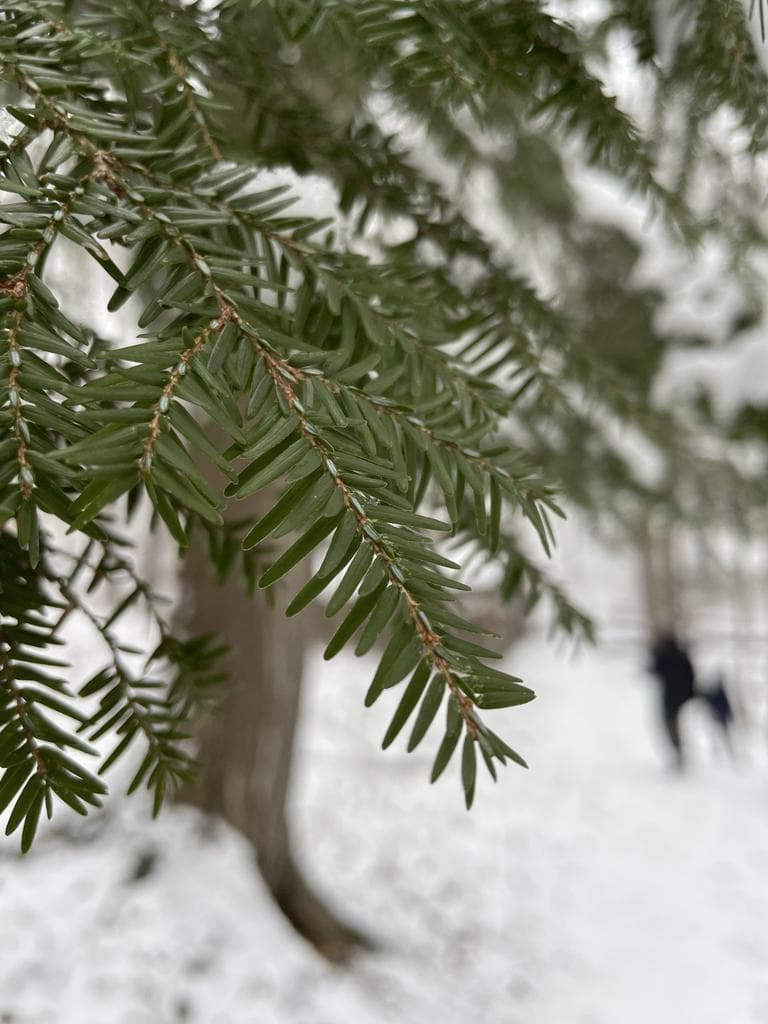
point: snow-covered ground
(596, 888)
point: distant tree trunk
(660, 575)
(246, 749)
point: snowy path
(594, 889)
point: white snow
(597, 887)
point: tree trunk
(659, 575)
(246, 749)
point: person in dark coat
(672, 667)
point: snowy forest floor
(597, 888)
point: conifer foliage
(375, 391)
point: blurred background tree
(486, 315)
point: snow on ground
(596, 888)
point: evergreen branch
(190, 99)
(17, 286)
(107, 169)
(18, 144)
(213, 329)
(429, 640)
(332, 268)
(451, 669)
(523, 44)
(108, 565)
(129, 708)
(33, 746)
(109, 165)
(75, 602)
(21, 706)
